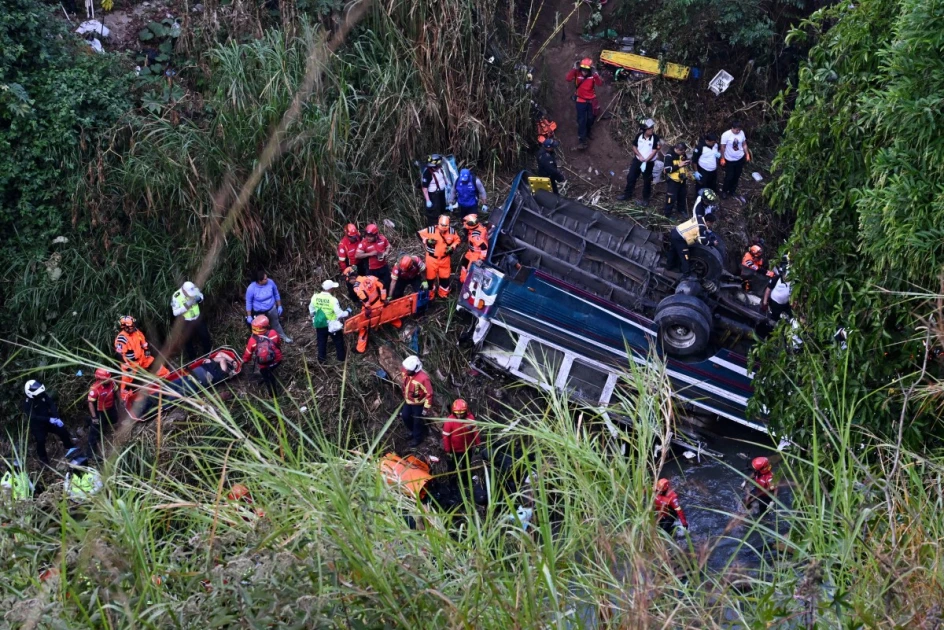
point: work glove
(642, 169)
(429, 204)
(431, 242)
(347, 313)
(280, 311)
(424, 285)
(718, 155)
(452, 207)
(697, 177)
(93, 420)
(484, 209)
(249, 319)
(56, 421)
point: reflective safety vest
(323, 307)
(82, 485)
(17, 484)
(179, 300)
(466, 193)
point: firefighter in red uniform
(372, 296)
(762, 491)
(374, 249)
(752, 264)
(440, 241)
(417, 399)
(459, 434)
(409, 271)
(667, 507)
(265, 346)
(585, 80)
(477, 239)
(347, 250)
(103, 409)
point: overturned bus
(567, 293)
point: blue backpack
(466, 193)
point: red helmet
(102, 373)
(406, 262)
(459, 407)
(761, 464)
(349, 273)
(443, 221)
(126, 321)
(470, 220)
(239, 492)
(586, 63)
(756, 251)
(351, 231)
(260, 324)
(663, 486)
(371, 230)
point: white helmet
(34, 388)
(189, 288)
(412, 363)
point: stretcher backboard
(647, 65)
(396, 309)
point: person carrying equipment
(695, 230)
(440, 241)
(326, 315)
(409, 271)
(752, 265)
(185, 302)
(762, 489)
(373, 248)
(347, 250)
(667, 507)
(372, 296)
(417, 399)
(103, 409)
(585, 80)
(547, 164)
(468, 194)
(676, 169)
(459, 434)
(265, 346)
(477, 240)
(132, 347)
(43, 416)
(433, 185)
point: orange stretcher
(395, 309)
(409, 474)
(646, 65)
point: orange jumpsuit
(133, 348)
(372, 295)
(440, 243)
(477, 239)
(750, 267)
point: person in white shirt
(645, 149)
(734, 154)
(706, 157)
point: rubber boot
(442, 293)
(362, 340)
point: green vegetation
(860, 170)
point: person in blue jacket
(262, 298)
(468, 194)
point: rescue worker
(264, 346)
(417, 399)
(43, 416)
(347, 248)
(777, 294)
(103, 409)
(263, 298)
(734, 155)
(81, 482)
(477, 240)
(468, 195)
(585, 80)
(185, 302)
(326, 315)
(706, 156)
(695, 230)
(706, 202)
(676, 171)
(15, 483)
(372, 296)
(409, 271)
(434, 188)
(547, 164)
(752, 265)
(440, 241)
(667, 507)
(374, 249)
(459, 434)
(762, 491)
(645, 147)
(132, 347)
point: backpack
(265, 350)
